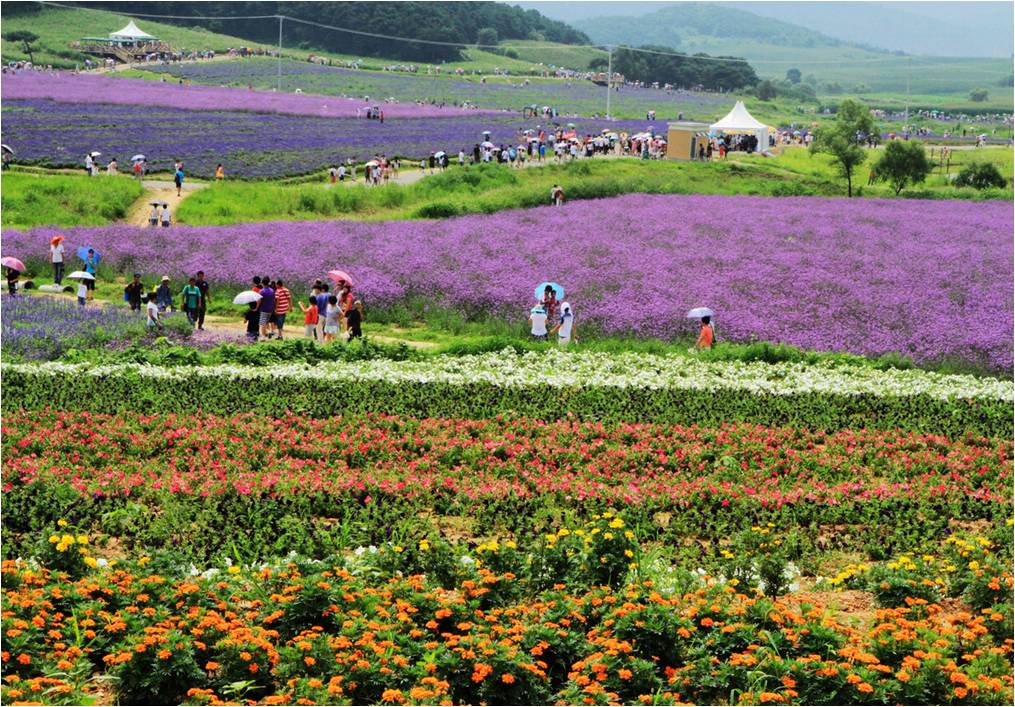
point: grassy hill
(59, 27)
(772, 47)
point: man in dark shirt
(134, 291)
(202, 308)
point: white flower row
(584, 370)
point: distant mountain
(686, 26)
(974, 29)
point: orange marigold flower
(309, 660)
(252, 667)
(902, 676)
(960, 692)
(770, 697)
(211, 665)
(24, 659)
(865, 687)
(507, 678)
(788, 681)
(315, 683)
(392, 696)
(245, 657)
(853, 679)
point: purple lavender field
(81, 88)
(928, 279)
(49, 133)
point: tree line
(680, 70)
(431, 21)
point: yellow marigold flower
(54, 539)
(67, 540)
(629, 553)
(82, 540)
(424, 544)
(91, 562)
(144, 561)
(551, 537)
(62, 523)
(397, 548)
(563, 533)
(234, 570)
(510, 544)
(617, 523)
(608, 536)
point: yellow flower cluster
(66, 541)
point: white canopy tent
(739, 120)
(131, 33)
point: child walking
(310, 318)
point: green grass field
(65, 200)
(59, 27)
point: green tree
(767, 90)
(979, 95)
(902, 163)
(980, 175)
(844, 138)
(26, 38)
(793, 75)
(487, 36)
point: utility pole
(278, 83)
(609, 77)
(909, 72)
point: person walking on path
(152, 312)
(537, 318)
(283, 305)
(190, 300)
(178, 179)
(90, 267)
(333, 175)
(354, 320)
(89, 164)
(164, 295)
(13, 275)
(165, 215)
(323, 303)
(202, 307)
(153, 217)
(565, 328)
(267, 307)
(82, 292)
(137, 170)
(133, 292)
(550, 304)
(310, 317)
(253, 319)
(332, 319)
(706, 337)
(220, 172)
(56, 257)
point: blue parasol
(541, 288)
(83, 254)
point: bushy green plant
(981, 175)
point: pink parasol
(12, 263)
(338, 277)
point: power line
(468, 45)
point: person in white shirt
(165, 216)
(112, 167)
(82, 292)
(152, 310)
(461, 158)
(153, 217)
(56, 257)
(89, 165)
(537, 318)
(565, 329)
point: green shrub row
(189, 390)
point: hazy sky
(923, 27)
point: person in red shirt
(283, 304)
(707, 335)
(310, 318)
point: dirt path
(162, 192)
(235, 326)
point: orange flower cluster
(334, 638)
